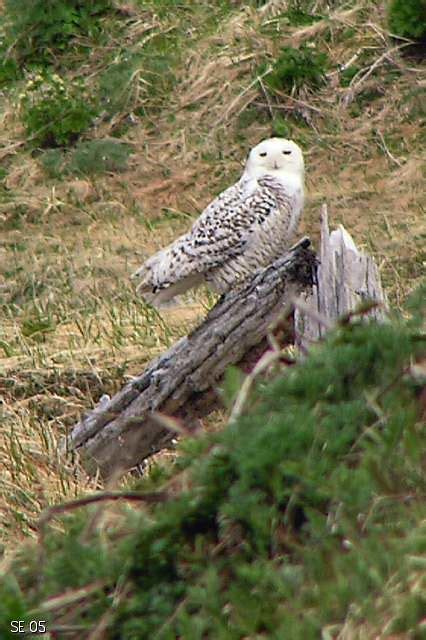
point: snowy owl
(245, 228)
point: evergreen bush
(304, 517)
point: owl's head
(275, 156)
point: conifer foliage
(303, 517)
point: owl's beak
(275, 165)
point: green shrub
(140, 81)
(55, 113)
(348, 74)
(53, 162)
(99, 156)
(87, 158)
(302, 519)
(116, 86)
(9, 69)
(297, 68)
(39, 29)
(298, 17)
(407, 18)
(281, 128)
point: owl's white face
(275, 156)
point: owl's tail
(166, 275)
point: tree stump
(346, 278)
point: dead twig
(268, 101)
(127, 496)
(386, 150)
(70, 597)
(363, 74)
(264, 363)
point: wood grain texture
(346, 278)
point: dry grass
(71, 326)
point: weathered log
(121, 432)
(346, 278)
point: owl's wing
(222, 232)
(227, 225)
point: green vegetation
(296, 68)
(9, 70)
(407, 18)
(99, 156)
(313, 502)
(299, 17)
(87, 159)
(37, 30)
(56, 112)
(140, 80)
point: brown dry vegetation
(71, 326)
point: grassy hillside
(117, 128)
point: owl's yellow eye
(286, 153)
(263, 154)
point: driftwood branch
(123, 431)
